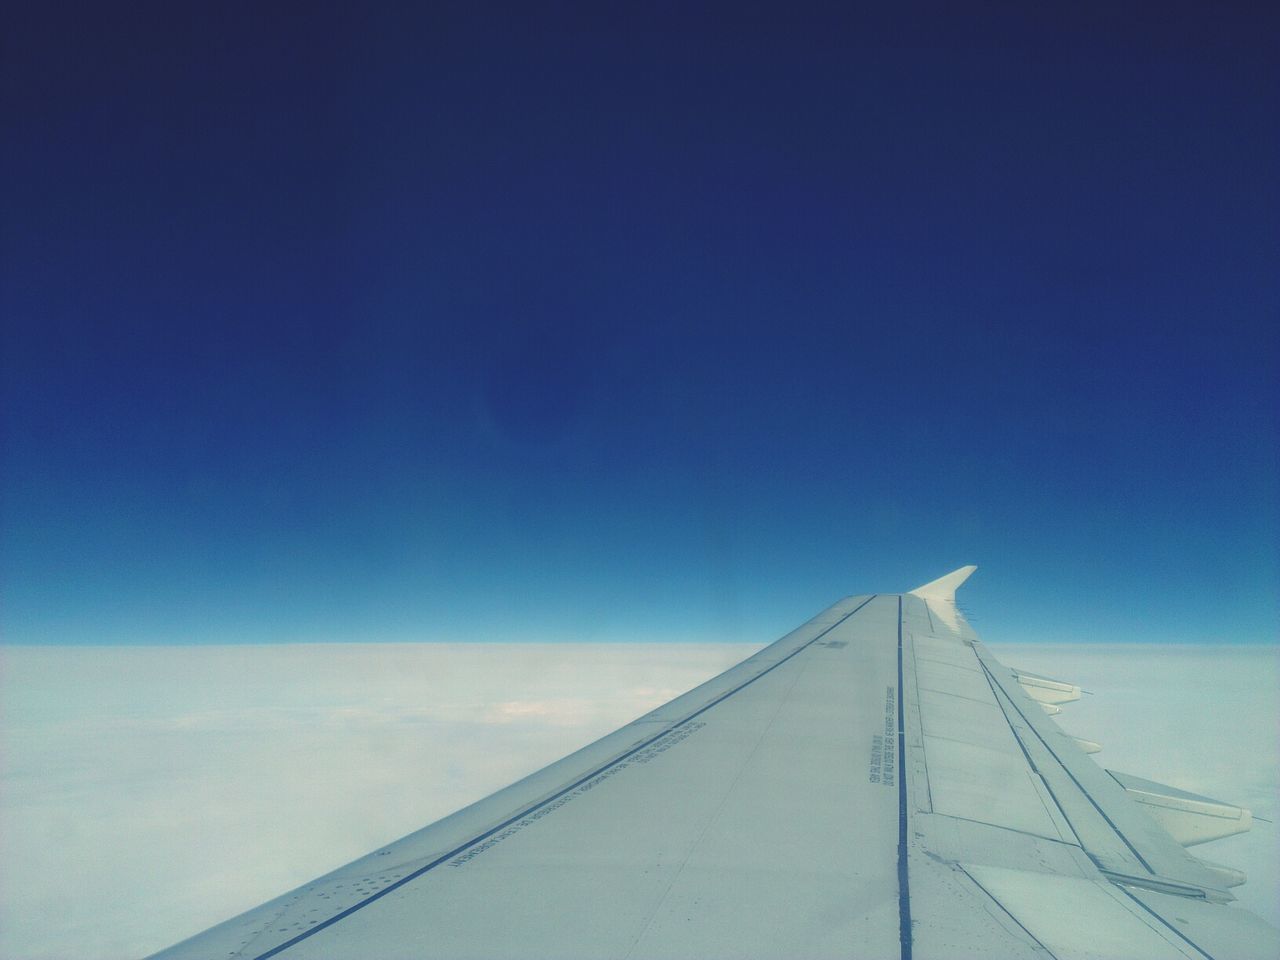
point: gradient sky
(661, 324)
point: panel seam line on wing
(1182, 936)
(919, 723)
(1005, 910)
(1023, 833)
(904, 890)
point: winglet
(944, 588)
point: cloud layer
(149, 792)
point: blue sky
(662, 325)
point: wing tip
(944, 588)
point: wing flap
(1051, 908)
(1122, 837)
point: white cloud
(149, 792)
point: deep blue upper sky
(649, 325)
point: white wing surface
(874, 784)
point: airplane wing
(874, 784)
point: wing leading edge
(873, 784)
